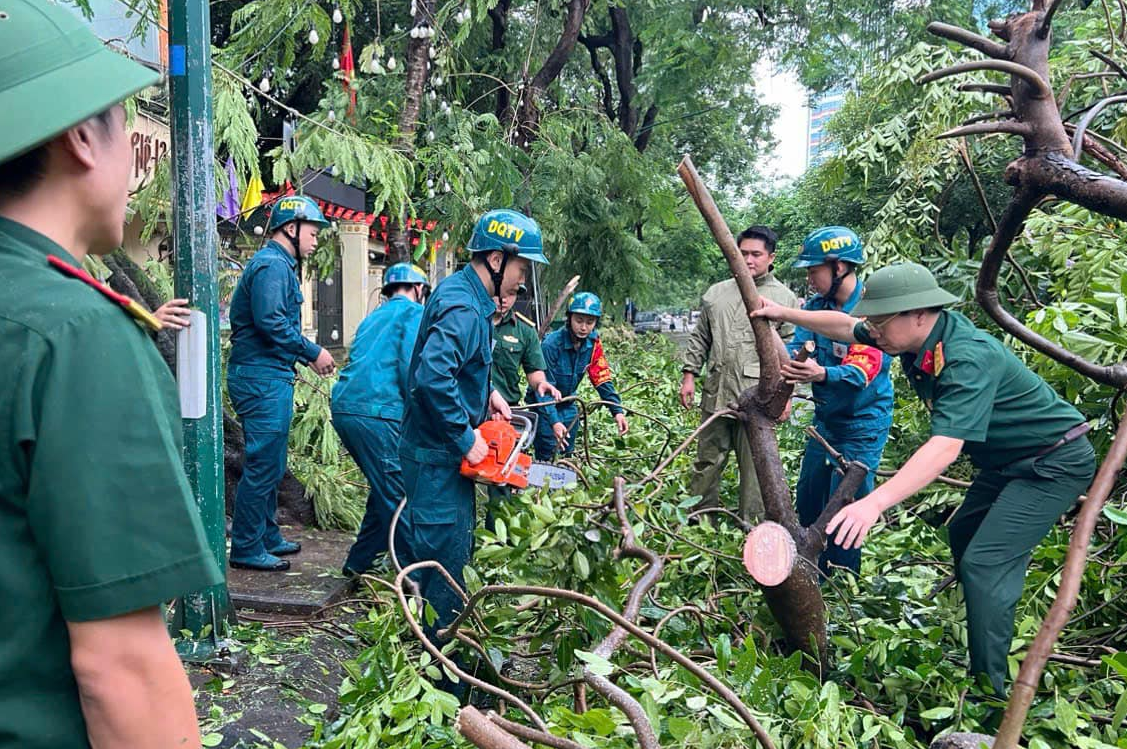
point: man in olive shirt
(97, 521)
(516, 347)
(1028, 444)
(723, 338)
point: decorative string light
(337, 15)
(313, 36)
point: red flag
(348, 68)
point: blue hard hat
(403, 273)
(830, 243)
(508, 231)
(295, 208)
(586, 303)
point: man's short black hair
(764, 233)
(20, 175)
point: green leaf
(938, 713)
(581, 565)
(1115, 515)
(680, 728)
(598, 665)
(212, 739)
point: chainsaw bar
(551, 476)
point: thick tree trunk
(529, 108)
(128, 278)
(294, 506)
(418, 66)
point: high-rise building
(819, 144)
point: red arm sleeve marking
(598, 370)
(865, 358)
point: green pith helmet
(901, 288)
(55, 74)
(295, 208)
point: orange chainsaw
(505, 462)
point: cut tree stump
(770, 553)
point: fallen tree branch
(483, 733)
(605, 611)
(620, 698)
(567, 291)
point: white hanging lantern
(337, 15)
(336, 63)
(391, 63)
(313, 37)
(264, 86)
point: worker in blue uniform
(449, 394)
(367, 404)
(571, 352)
(850, 384)
(266, 343)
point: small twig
(743, 524)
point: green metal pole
(195, 242)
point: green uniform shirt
(96, 515)
(979, 392)
(723, 338)
(516, 347)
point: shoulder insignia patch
(135, 310)
(523, 319)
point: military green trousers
(713, 447)
(1006, 513)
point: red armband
(865, 358)
(598, 370)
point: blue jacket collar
(279, 249)
(485, 303)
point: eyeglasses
(877, 323)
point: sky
(784, 91)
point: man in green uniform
(723, 339)
(517, 347)
(1028, 444)
(97, 521)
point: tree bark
(128, 278)
(529, 114)
(418, 67)
(797, 603)
(499, 16)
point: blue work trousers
(374, 444)
(818, 479)
(265, 408)
(441, 512)
(545, 444)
